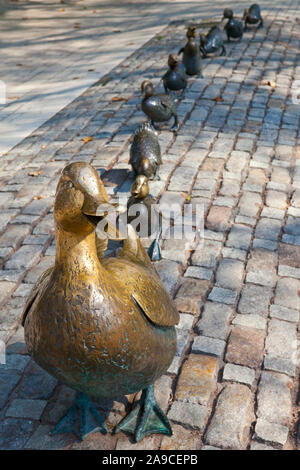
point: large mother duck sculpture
(102, 326)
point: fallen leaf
(43, 146)
(87, 139)
(35, 173)
(53, 160)
(75, 78)
(91, 70)
(188, 198)
(118, 98)
(218, 99)
(269, 83)
(61, 10)
(38, 197)
(159, 37)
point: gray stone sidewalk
(234, 381)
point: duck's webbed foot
(175, 125)
(81, 419)
(154, 250)
(146, 418)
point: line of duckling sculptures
(105, 326)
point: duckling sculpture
(252, 15)
(212, 42)
(174, 79)
(141, 210)
(191, 54)
(103, 327)
(145, 153)
(233, 28)
(158, 107)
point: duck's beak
(103, 216)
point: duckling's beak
(105, 213)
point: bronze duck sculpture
(252, 15)
(174, 79)
(145, 153)
(233, 28)
(102, 326)
(212, 42)
(191, 54)
(158, 107)
(144, 216)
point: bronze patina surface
(102, 326)
(145, 153)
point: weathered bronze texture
(102, 326)
(158, 107)
(144, 216)
(233, 28)
(174, 79)
(145, 153)
(212, 42)
(191, 54)
(252, 15)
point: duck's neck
(76, 253)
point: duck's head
(173, 61)
(81, 201)
(140, 187)
(228, 13)
(191, 32)
(147, 88)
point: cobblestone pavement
(234, 381)
(51, 51)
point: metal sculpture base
(146, 418)
(81, 419)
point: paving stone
(185, 322)
(239, 237)
(8, 381)
(271, 432)
(288, 271)
(235, 373)
(206, 256)
(230, 425)
(289, 255)
(268, 229)
(32, 409)
(189, 414)
(250, 204)
(16, 362)
(255, 299)
(229, 274)
(197, 379)
(183, 339)
(245, 347)
(37, 386)
(283, 313)
(94, 441)
(168, 272)
(15, 432)
(174, 367)
(199, 273)
(250, 321)
(214, 320)
(233, 253)
(278, 364)
(206, 345)
(282, 339)
(259, 446)
(210, 448)
(25, 257)
(274, 398)
(182, 439)
(286, 293)
(42, 440)
(218, 218)
(226, 296)
(14, 234)
(190, 295)
(264, 244)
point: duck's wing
(35, 291)
(145, 286)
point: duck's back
(145, 145)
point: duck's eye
(70, 184)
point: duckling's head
(173, 61)
(228, 13)
(140, 187)
(147, 88)
(81, 201)
(191, 32)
